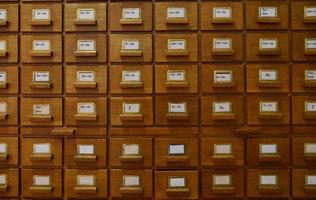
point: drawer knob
(4, 22)
(4, 188)
(3, 156)
(86, 189)
(85, 53)
(134, 158)
(131, 21)
(264, 189)
(85, 22)
(63, 131)
(223, 189)
(39, 118)
(310, 189)
(228, 52)
(178, 116)
(177, 53)
(269, 158)
(309, 156)
(131, 53)
(85, 158)
(3, 116)
(310, 115)
(268, 84)
(272, 52)
(223, 116)
(41, 189)
(309, 83)
(177, 21)
(3, 53)
(132, 117)
(4, 85)
(177, 159)
(224, 85)
(41, 22)
(85, 85)
(309, 21)
(268, 20)
(223, 21)
(89, 117)
(176, 84)
(40, 85)
(41, 53)
(178, 191)
(131, 190)
(131, 84)
(310, 52)
(270, 116)
(223, 158)
(41, 157)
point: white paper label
(177, 107)
(41, 109)
(41, 76)
(220, 107)
(311, 44)
(221, 180)
(269, 106)
(86, 149)
(222, 43)
(268, 180)
(310, 148)
(3, 107)
(3, 45)
(86, 45)
(41, 180)
(268, 12)
(41, 14)
(85, 76)
(3, 76)
(222, 149)
(222, 13)
(86, 14)
(310, 75)
(131, 108)
(131, 75)
(41, 45)
(86, 108)
(176, 12)
(3, 148)
(3, 179)
(131, 181)
(41, 148)
(176, 45)
(268, 148)
(131, 149)
(131, 13)
(3, 14)
(177, 182)
(176, 149)
(130, 45)
(311, 106)
(268, 75)
(176, 76)
(310, 11)
(268, 44)
(85, 180)
(310, 180)
(222, 76)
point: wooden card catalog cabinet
(223, 152)
(223, 79)
(310, 183)
(3, 48)
(310, 110)
(41, 113)
(131, 153)
(222, 15)
(177, 111)
(310, 46)
(3, 151)
(269, 183)
(3, 182)
(41, 17)
(177, 15)
(268, 46)
(41, 80)
(177, 47)
(309, 14)
(222, 184)
(85, 80)
(131, 47)
(86, 48)
(85, 16)
(41, 48)
(131, 79)
(222, 47)
(85, 153)
(41, 152)
(268, 14)
(268, 78)
(131, 111)
(41, 184)
(86, 111)
(131, 16)
(177, 153)
(3, 17)
(86, 184)
(177, 185)
(176, 79)
(3, 110)
(269, 152)
(310, 151)
(131, 185)
(223, 111)
(269, 110)
(310, 78)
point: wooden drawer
(223, 78)
(267, 78)
(41, 48)
(85, 152)
(222, 109)
(176, 16)
(267, 15)
(85, 17)
(41, 183)
(9, 48)
(131, 48)
(9, 153)
(222, 152)
(41, 112)
(86, 183)
(303, 15)
(128, 152)
(176, 152)
(131, 79)
(10, 177)
(268, 152)
(268, 110)
(85, 111)
(176, 47)
(268, 183)
(41, 17)
(176, 78)
(304, 110)
(91, 50)
(267, 46)
(131, 183)
(41, 80)
(221, 15)
(303, 183)
(131, 16)
(176, 184)
(131, 111)
(39, 152)
(8, 111)
(9, 17)
(304, 46)
(85, 79)
(222, 183)
(222, 47)
(303, 78)
(177, 110)
(9, 79)
(303, 151)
